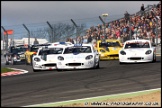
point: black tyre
(35, 70)
(26, 61)
(13, 62)
(59, 70)
(154, 58)
(98, 66)
(31, 61)
(121, 63)
(7, 63)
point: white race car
(137, 51)
(78, 56)
(46, 57)
(60, 43)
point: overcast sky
(19, 12)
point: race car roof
(61, 43)
(47, 44)
(138, 40)
(65, 46)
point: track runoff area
(100, 100)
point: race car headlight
(89, 57)
(122, 52)
(37, 59)
(60, 58)
(148, 52)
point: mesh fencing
(61, 30)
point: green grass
(4, 70)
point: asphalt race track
(52, 86)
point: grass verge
(4, 70)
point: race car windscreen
(109, 44)
(81, 49)
(137, 45)
(48, 51)
(18, 49)
(34, 49)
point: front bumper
(76, 65)
(109, 57)
(134, 59)
(45, 66)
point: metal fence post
(104, 26)
(76, 26)
(156, 31)
(5, 38)
(52, 39)
(28, 34)
(130, 31)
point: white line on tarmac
(24, 71)
(90, 98)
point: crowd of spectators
(143, 25)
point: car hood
(76, 56)
(137, 51)
(114, 50)
(52, 57)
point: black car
(15, 54)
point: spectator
(118, 34)
(85, 39)
(142, 10)
(71, 40)
(79, 40)
(36, 41)
(68, 40)
(89, 40)
(143, 26)
(158, 5)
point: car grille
(74, 64)
(135, 58)
(52, 64)
(115, 55)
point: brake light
(55, 44)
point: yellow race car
(108, 49)
(32, 50)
